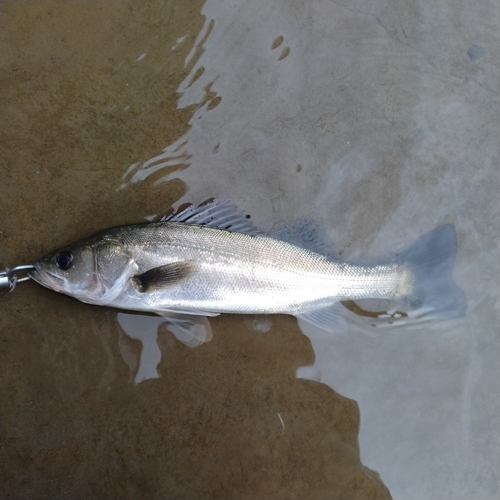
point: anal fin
(329, 319)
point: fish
(210, 259)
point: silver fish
(210, 259)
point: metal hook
(9, 279)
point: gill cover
(114, 266)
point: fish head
(69, 270)
(94, 270)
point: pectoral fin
(163, 277)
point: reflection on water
(144, 329)
(377, 121)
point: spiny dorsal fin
(163, 277)
(214, 213)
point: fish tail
(431, 259)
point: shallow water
(379, 121)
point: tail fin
(431, 259)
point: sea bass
(210, 259)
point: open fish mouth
(46, 278)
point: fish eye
(64, 260)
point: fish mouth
(46, 278)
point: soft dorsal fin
(214, 213)
(305, 234)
